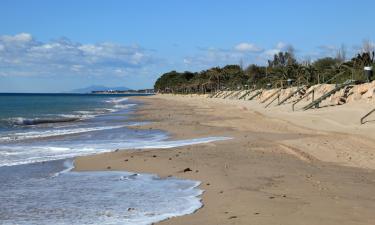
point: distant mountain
(98, 88)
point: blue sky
(53, 46)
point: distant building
(141, 91)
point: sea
(40, 134)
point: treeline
(281, 71)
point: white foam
(51, 133)
(124, 106)
(32, 154)
(84, 112)
(106, 197)
(79, 116)
(180, 143)
(35, 121)
(68, 115)
(69, 166)
(117, 100)
(107, 110)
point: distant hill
(98, 88)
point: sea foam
(50, 193)
(36, 121)
(26, 154)
(18, 136)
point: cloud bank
(246, 53)
(23, 55)
(247, 47)
(241, 53)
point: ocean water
(42, 194)
(40, 134)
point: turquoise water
(14, 108)
(43, 127)
(36, 105)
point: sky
(57, 46)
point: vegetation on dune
(282, 70)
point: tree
(215, 76)
(367, 46)
(364, 59)
(325, 63)
(341, 54)
(282, 59)
(282, 67)
(173, 81)
(325, 68)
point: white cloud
(247, 47)
(327, 51)
(281, 46)
(208, 57)
(22, 54)
(271, 52)
(243, 52)
(328, 47)
(20, 38)
(187, 61)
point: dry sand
(298, 168)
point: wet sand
(273, 171)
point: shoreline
(262, 175)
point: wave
(141, 199)
(116, 100)
(31, 154)
(63, 118)
(52, 133)
(124, 106)
(83, 112)
(79, 117)
(36, 121)
(68, 166)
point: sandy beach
(280, 167)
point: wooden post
(313, 95)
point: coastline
(262, 175)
